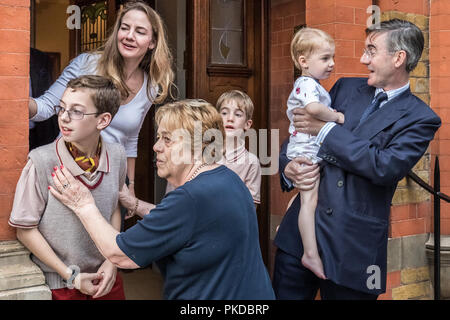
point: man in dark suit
(44, 132)
(386, 131)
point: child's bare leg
(306, 225)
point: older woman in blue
(204, 234)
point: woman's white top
(126, 124)
(306, 90)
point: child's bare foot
(314, 263)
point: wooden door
(227, 48)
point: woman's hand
(69, 191)
(108, 272)
(302, 172)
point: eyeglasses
(73, 114)
(372, 52)
(369, 53)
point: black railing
(437, 196)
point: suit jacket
(361, 168)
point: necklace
(197, 170)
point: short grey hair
(402, 35)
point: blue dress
(204, 238)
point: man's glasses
(369, 53)
(73, 114)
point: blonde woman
(204, 234)
(137, 58)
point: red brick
(362, 4)
(445, 209)
(410, 6)
(350, 32)
(444, 107)
(323, 4)
(286, 50)
(9, 180)
(424, 209)
(14, 111)
(6, 232)
(439, 22)
(328, 83)
(320, 16)
(276, 24)
(15, 41)
(345, 48)
(13, 157)
(14, 64)
(440, 7)
(12, 88)
(445, 226)
(444, 132)
(361, 16)
(285, 36)
(15, 3)
(386, 296)
(440, 85)
(349, 65)
(440, 38)
(441, 105)
(439, 53)
(300, 19)
(276, 51)
(289, 22)
(285, 64)
(14, 18)
(393, 280)
(345, 14)
(444, 147)
(403, 212)
(408, 227)
(359, 48)
(14, 135)
(444, 163)
(440, 68)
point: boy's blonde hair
(306, 41)
(243, 102)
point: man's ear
(103, 120)
(400, 58)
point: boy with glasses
(72, 265)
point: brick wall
(285, 15)
(440, 95)
(14, 65)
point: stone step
(13, 252)
(20, 278)
(22, 275)
(33, 293)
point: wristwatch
(69, 282)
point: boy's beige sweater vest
(60, 226)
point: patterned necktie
(375, 105)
